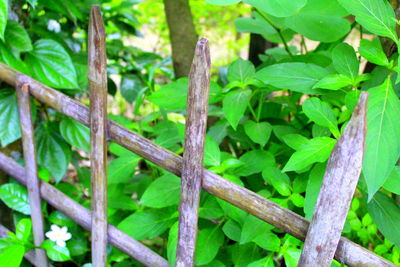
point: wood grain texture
(192, 169)
(83, 216)
(97, 64)
(347, 252)
(337, 190)
(29, 151)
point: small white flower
(53, 25)
(58, 235)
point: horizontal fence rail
(347, 252)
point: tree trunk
(257, 46)
(182, 34)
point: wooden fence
(322, 237)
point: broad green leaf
(163, 192)
(15, 196)
(292, 256)
(254, 161)
(147, 224)
(241, 70)
(234, 106)
(345, 60)
(252, 228)
(17, 37)
(382, 146)
(53, 152)
(392, 183)
(55, 252)
(377, 16)
(322, 114)
(268, 241)
(232, 230)
(131, 86)
(223, 2)
(8, 58)
(3, 18)
(23, 229)
(171, 96)
(243, 255)
(386, 214)
(172, 243)
(296, 76)
(294, 141)
(212, 153)
(313, 187)
(265, 262)
(333, 82)
(9, 120)
(209, 241)
(279, 180)
(373, 52)
(75, 133)
(259, 132)
(315, 150)
(119, 150)
(50, 63)
(121, 169)
(209, 208)
(278, 8)
(12, 255)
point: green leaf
(234, 106)
(50, 63)
(17, 37)
(252, 228)
(8, 58)
(268, 241)
(382, 146)
(386, 214)
(172, 243)
(9, 120)
(3, 18)
(313, 188)
(121, 169)
(296, 76)
(208, 243)
(377, 16)
(278, 8)
(163, 192)
(333, 82)
(322, 114)
(241, 70)
(294, 141)
(373, 52)
(23, 229)
(55, 252)
(345, 61)
(212, 153)
(259, 132)
(243, 255)
(53, 152)
(15, 197)
(75, 133)
(223, 2)
(147, 224)
(232, 230)
(265, 262)
(130, 87)
(171, 96)
(315, 150)
(279, 180)
(12, 255)
(392, 183)
(254, 161)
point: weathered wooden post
(192, 169)
(28, 144)
(98, 145)
(339, 184)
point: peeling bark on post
(339, 184)
(28, 143)
(83, 216)
(98, 145)
(347, 252)
(192, 169)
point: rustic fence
(323, 235)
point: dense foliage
(271, 127)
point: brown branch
(97, 63)
(192, 170)
(339, 184)
(347, 252)
(28, 144)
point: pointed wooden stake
(98, 146)
(28, 144)
(339, 184)
(192, 170)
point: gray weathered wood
(338, 186)
(83, 216)
(192, 169)
(29, 150)
(98, 145)
(347, 252)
